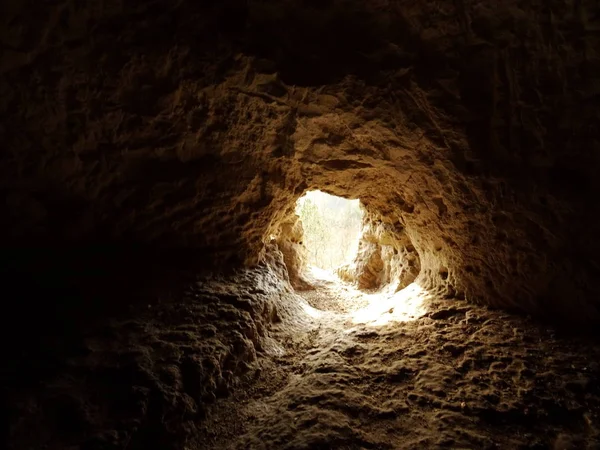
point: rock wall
(145, 378)
(385, 257)
(473, 125)
(289, 243)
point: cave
(158, 276)
(331, 228)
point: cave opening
(331, 227)
(348, 262)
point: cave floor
(436, 373)
(243, 362)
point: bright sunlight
(331, 228)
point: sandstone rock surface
(183, 132)
(473, 126)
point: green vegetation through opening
(331, 228)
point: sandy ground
(410, 371)
(242, 362)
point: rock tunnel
(157, 293)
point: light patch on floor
(352, 370)
(403, 306)
(379, 308)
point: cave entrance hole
(332, 235)
(332, 227)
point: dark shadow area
(86, 338)
(57, 295)
(316, 44)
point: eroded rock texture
(289, 242)
(197, 124)
(385, 258)
(184, 132)
(147, 377)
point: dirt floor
(410, 371)
(243, 362)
